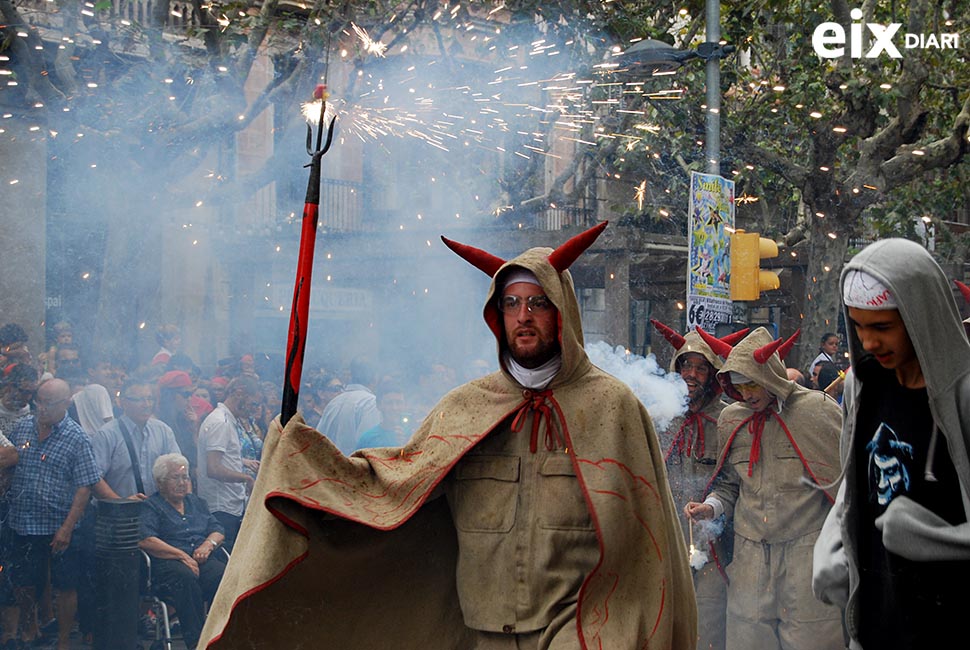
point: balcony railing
(341, 206)
(563, 217)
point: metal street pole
(656, 57)
(712, 145)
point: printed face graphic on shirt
(889, 470)
(892, 478)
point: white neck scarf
(534, 378)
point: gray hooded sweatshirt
(909, 530)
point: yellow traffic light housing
(747, 278)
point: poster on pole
(710, 222)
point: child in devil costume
(776, 441)
(690, 444)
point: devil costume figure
(557, 531)
(690, 444)
(778, 442)
(895, 549)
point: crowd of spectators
(105, 426)
(78, 425)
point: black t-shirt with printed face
(904, 604)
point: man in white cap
(895, 549)
(556, 530)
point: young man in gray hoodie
(894, 552)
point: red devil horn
(733, 338)
(789, 344)
(964, 289)
(762, 354)
(478, 258)
(673, 337)
(783, 347)
(719, 347)
(565, 255)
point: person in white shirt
(827, 350)
(223, 480)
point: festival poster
(709, 227)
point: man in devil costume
(690, 444)
(556, 531)
(778, 443)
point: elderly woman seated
(181, 535)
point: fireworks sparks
(509, 96)
(311, 112)
(639, 194)
(370, 45)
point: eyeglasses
(178, 479)
(139, 400)
(535, 304)
(696, 367)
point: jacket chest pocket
(740, 458)
(790, 472)
(486, 494)
(561, 505)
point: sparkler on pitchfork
(299, 313)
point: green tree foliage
(837, 149)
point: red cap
(174, 379)
(201, 406)
(220, 381)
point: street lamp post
(656, 57)
(661, 58)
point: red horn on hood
(719, 347)
(733, 338)
(781, 346)
(563, 257)
(964, 289)
(478, 258)
(789, 344)
(673, 337)
(762, 354)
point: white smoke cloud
(697, 559)
(664, 394)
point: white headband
(738, 378)
(862, 291)
(519, 274)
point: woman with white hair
(181, 535)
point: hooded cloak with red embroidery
(690, 444)
(358, 553)
(694, 434)
(771, 458)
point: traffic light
(747, 278)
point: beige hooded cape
(810, 421)
(358, 553)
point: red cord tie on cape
(756, 425)
(536, 402)
(685, 438)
